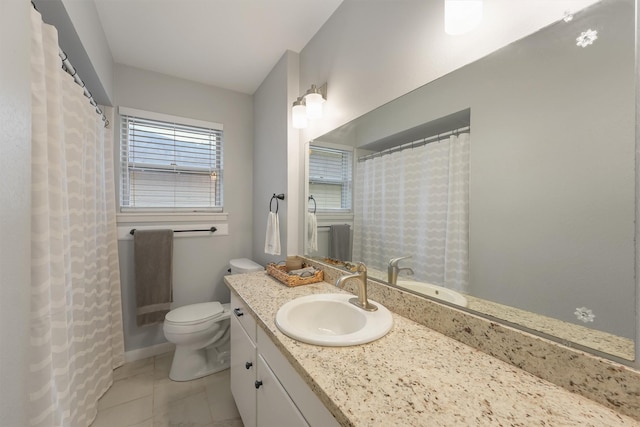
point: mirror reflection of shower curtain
(416, 202)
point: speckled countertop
(415, 376)
(589, 337)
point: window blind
(330, 178)
(169, 165)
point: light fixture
(587, 38)
(314, 98)
(461, 16)
(308, 106)
(299, 113)
(568, 16)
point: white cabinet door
(243, 373)
(275, 408)
(315, 413)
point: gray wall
(15, 197)
(272, 156)
(199, 263)
(552, 174)
(552, 169)
(371, 52)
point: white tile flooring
(142, 395)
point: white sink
(434, 291)
(330, 320)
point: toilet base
(189, 364)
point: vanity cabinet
(243, 372)
(267, 390)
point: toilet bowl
(201, 334)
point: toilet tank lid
(245, 264)
(195, 312)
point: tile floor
(142, 395)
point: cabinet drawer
(240, 311)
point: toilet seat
(195, 317)
(194, 313)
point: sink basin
(434, 291)
(330, 320)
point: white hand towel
(272, 239)
(312, 232)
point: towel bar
(276, 197)
(212, 230)
(315, 206)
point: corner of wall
(15, 223)
(295, 184)
(276, 162)
(81, 37)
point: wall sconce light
(308, 106)
(461, 16)
(299, 113)
(314, 98)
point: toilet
(201, 333)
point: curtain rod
(66, 66)
(415, 144)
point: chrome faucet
(361, 276)
(393, 270)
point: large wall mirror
(510, 184)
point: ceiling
(232, 44)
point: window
(330, 178)
(169, 163)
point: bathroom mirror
(551, 178)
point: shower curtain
(416, 202)
(76, 337)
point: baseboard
(143, 353)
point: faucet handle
(393, 262)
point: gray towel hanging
(153, 260)
(340, 242)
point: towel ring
(275, 196)
(315, 206)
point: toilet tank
(244, 265)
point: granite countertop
(415, 376)
(593, 338)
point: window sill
(334, 216)
(170, 217)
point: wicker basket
(279, 272)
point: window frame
(332, 212)
(141, 213)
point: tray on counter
(279, 272)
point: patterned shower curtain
(416, 202)
(76, 337)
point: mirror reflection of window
(331, 178)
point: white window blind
(331, 178)
(168, 165)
